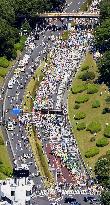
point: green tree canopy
(102, 35)
(104, 67)
(105, 9)
(102, 171)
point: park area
(89, 112)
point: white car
(10, 126)
(10, 85)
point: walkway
(73, 15)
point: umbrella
(15, 111)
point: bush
(78, 88)
(106, 110)
(92, 152)
(94, 127)
(86, 67)
(20, 45)
(107, 131)
(81, 126)
(87, 75)
(92, 88)
(82, 99)
(102, 142)
(92, 139)
(96, 104)
(4, 62)
(77, 106)
(80, 115)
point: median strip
(36, 145)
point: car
(10, 126)
(10, 85)
(13, 80)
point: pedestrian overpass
(70, 15)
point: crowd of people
(53, 129)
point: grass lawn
(92, 114)
(32, 87)
(5, 167)
(39, 156)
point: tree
(105, 198)
(8, 37)
(104, 67)
(102, 36)
(102, 171)
(6, 11)
(104, 9)
(26, 26)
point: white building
(16, 191)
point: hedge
(86, 67)
(94, 127)
(80, 115)
(87, 75)
(78, 88)
(107, 131)
(102, 142)
(82, 99)
(92, 88)
(96, 104)
(77, 106)
(4, 62)
(92, 152)
(81, 126)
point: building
(17, 190)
